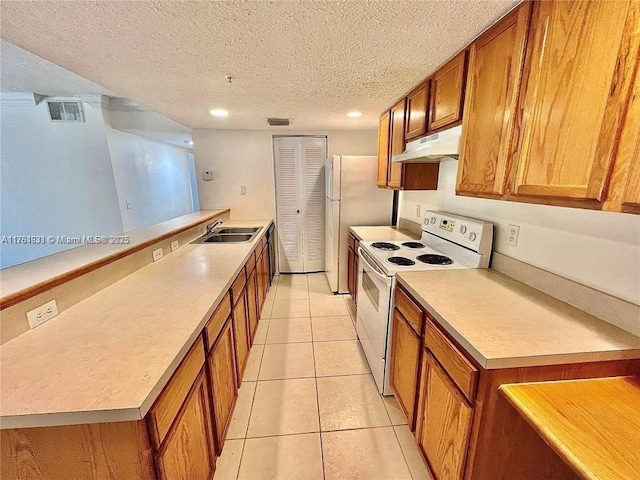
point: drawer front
(461, 370)
(215, 323)
(251, 263)
(164, 411)
(410, 311)
(238, 285)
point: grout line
(315, 372)
(404, 456)
(319, 432)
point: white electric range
(448, 242)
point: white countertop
(503, 323)
(107, 358)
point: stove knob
(473, 236)
(432, 220)
(463, 229)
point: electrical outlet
(513, 234)
(157, 254)
(174, 245)
(41, 314)
(418, 211)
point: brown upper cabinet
(417, 102)
(495, 69)
(580, 63)
(391, 141)
(384, 128)
(398, 116)
(447, 93)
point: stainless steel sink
(217, 238)
(229, 235)
(238, 230)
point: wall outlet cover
(157, 254)
(43, 313)
(175, 245)
(207, 175)
(512, 235)
(418, 211)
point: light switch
(243, 190)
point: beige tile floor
(308, 407)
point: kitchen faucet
(213, 225)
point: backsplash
(598, 249)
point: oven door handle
(374, 268)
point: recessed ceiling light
(218, 112)
(354, 114)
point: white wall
(55, 179)
(598, 249)
(152, 176)
(245, 158)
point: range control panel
(447, 225)
(468, 232)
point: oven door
(374, 304)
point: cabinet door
(578, 57)
(356, 266)
(241, 334)
(252, 303)
(405, 362)
(187, 451)
(260, 280)
(417, 111)
(224, 389)
(447, 93)
(384, 130)
(351, 271)
(446, 422)
(493, 84)
(265, 271)
(397, 142)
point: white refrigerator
(352, 199)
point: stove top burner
(402, 261)
(413, 245)
(385, 246)
(433, 259)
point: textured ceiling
(311, 61)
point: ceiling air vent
(65, 111)
(278, 122)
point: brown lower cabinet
(190, 433)
(221, 364)
(464, 428)
(253, 311)
(353, 264)
(405, 364)
(241, 334)
(445, 423)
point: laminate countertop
(383, 234)
(107, 358)
(593, 425)
(503, 323)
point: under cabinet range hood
(432, 148)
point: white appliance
(352, 199)
(432, 148)
(448, 242)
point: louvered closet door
(313, 159)
(299, 163)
